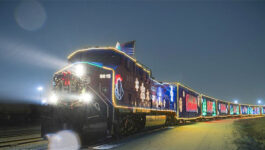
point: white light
(86, 97)
(259, 101)
(102, 76)
(40, 88)
(108, 76)
(53, 99)
(79, 70)
(171, 93)
(44, 101)
(236, 101)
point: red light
(209, 106)
(223, 108)
(191, 103)
(118, 77)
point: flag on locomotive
(127, 47)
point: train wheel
(128, 126)
(125, 127)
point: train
(106, 90)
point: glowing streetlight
(40, 89)
(236, 101)
(43, 102)
(259, 101)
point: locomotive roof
(110, 49)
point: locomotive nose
(85, 97)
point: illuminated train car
(256, 110)
(104, 90)
(262, 110)
(244, 110)
(250, 110)
(234, 109)
(189, 104)
(222, 108)
(209, 107)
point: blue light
(100, 65)
(159, 93)
(171, 93)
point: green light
(214, 109)
(237, 110)
(204, 107)
(231, 110)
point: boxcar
(263, 110)
(208, 107)
(233, 109)
(189, 104)
(222, 108)
(254, 110)
(244, 110)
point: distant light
(236, 101)
(79, 70)
(53, 99)
(44, 101)
(259, 101)
(86, 97)
(40, 88)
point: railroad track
(7, 133)
(18, 142)
(22, 138)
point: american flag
(127, 47)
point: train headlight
(86, 97)
(53, 99)
(79, 70)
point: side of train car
(130, 97)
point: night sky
(216, 48)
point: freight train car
(209, 109)
(250, 110)
(189, 104)
(222, 108)
(254, 110)
(234, 109)
(263, 110)
(244, 110)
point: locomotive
(105, 90)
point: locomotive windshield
(67, 86)
(106, 57)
